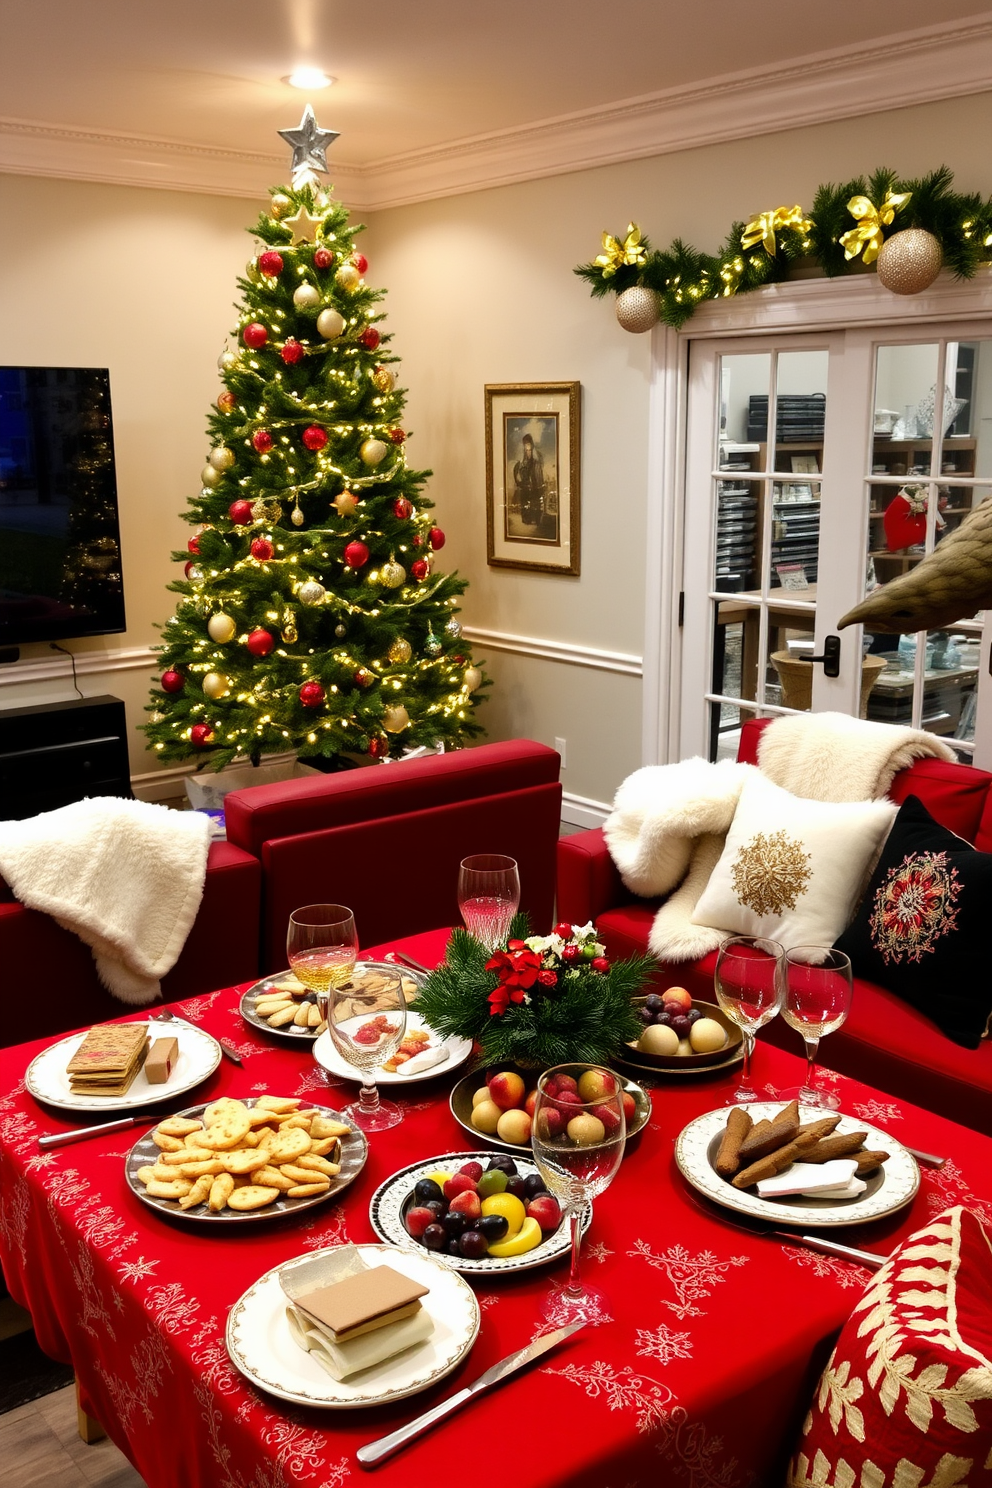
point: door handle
(830, 657)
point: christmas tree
(311, 616)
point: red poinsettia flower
(500, 999)
(516, 968)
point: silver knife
(375, 1452)
(63, 1139)
(406, 961)
(868, 1258)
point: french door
(818, 467)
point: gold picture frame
(532, 476)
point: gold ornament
(400, 651)
(252, 272)
(211, 477)
(296, 516)
(266, 511)
(637, 309)
(216, 685)
(221, 628)
(345, 503)
(348, 278)
(392, 574)
(227, 360)
(289, 632)
(222, 458)
(473, 678)
(340, 630)
(909, 261)
(310, 592)
(306, 297)
(615, 254)
(156, 717)
(395, 719)
(383, 379)
(373, 451)
(279, 205)
(330, 324)
(304, 226)
(871, 219)
(762, 229)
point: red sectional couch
(884, 1042)
(386, 840)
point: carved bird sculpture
(950, 584)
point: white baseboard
(580, 811)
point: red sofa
(884, 1042)
(386, 840)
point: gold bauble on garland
(400, 651)
(909, 261)
(392, 574)
(395, 719)
(216, 685)
(637, 309)
(373, 451)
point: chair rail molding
(947, 60)
(550, 650)
(51, 669)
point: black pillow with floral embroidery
(922, 929)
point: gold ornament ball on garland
(311, 593)
(216, 685)
(348, 278)
(306, 297)
(392, 574)
(222, 458)
(395, 719)
(637, 309)
(279, 205)
(210, 476)
(400, 651)
(226, 361)
(383, 379)
(330, 324)
(473, 678)
(373, 451)
(909, 261)
(221, 628)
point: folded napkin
(827, 1180)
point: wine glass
(577, 1135)
(749, 982)
(322, 946)
(488, 896)
(818, 996)
(366, 1028)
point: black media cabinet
(55, 753)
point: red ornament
(363, 677)
(311, 694)
(255, 335)
(323, 258)
(260, 643)
(420, 568)
(397, 436)
(418, 541)
(571, 953)
(194, 544)
(188, 570)
(315, 437)
(370, 338)
(402, 508)
(436, 537)
(262, 441)
(240, 513)
(356, 555)
(360, 261)
(563, 930)
(600, 964)
(262, 549)
(270, 263)
(378, 747)
(227, 402)
(293, 352)
(201, 734)
(173, 681)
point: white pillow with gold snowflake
(792, 869)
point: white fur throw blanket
(667, 827)
(125, 876)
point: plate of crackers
(769, 1160)
(115, 1073)
(242, 1160)
(281, 1005)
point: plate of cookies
(244, 1160)
(795, 1164)
(281, 1005)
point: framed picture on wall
(532, 476)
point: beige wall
(480, 290)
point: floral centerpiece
(538, 1000)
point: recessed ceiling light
(309, 78)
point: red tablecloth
(703, 1375)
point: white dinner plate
(199, 1056)
(262, 1348)
(392, 1199)
(458, 1049)
(890, 1188)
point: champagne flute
(818, 997)
(366, 1028)
(578, 1145)
(488, 896)
(322, 946)
(749, 982)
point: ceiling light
(309, 78)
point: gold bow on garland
(762, 229)
(871, 219)
(615, 254)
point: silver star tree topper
(309, 143)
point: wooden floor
(40, 1448)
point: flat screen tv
(60, 551)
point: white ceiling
(196, 79)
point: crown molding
(921, 66)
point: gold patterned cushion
(906, 1398)
(792, 868)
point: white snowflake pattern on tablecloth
(486, 1300)
(172, 1308)
(622, 1390)
(330, 1229)
(692, 1452)
(663, 1344)
(101, 1226)
(9, 1099)
(949, 1186)
(297, 1449)
(246, 1048)
(39, 1161)
(692, 1276)
(92, 1313)
(18, 1132)
(846, 1273)
(133, 1396)
(15, 1213)
(874, 1110)
(318, 1082)
(196, 1007)
(66, 1189)
(597, 1251)
(137, 1269)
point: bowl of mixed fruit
(682, 1034)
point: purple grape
(663, 1019)
(435, 1237)
(693, 1015)
(654, 1002)
(646, 1015)
(681, 1026)
(473, 1245)
(515, 1186)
